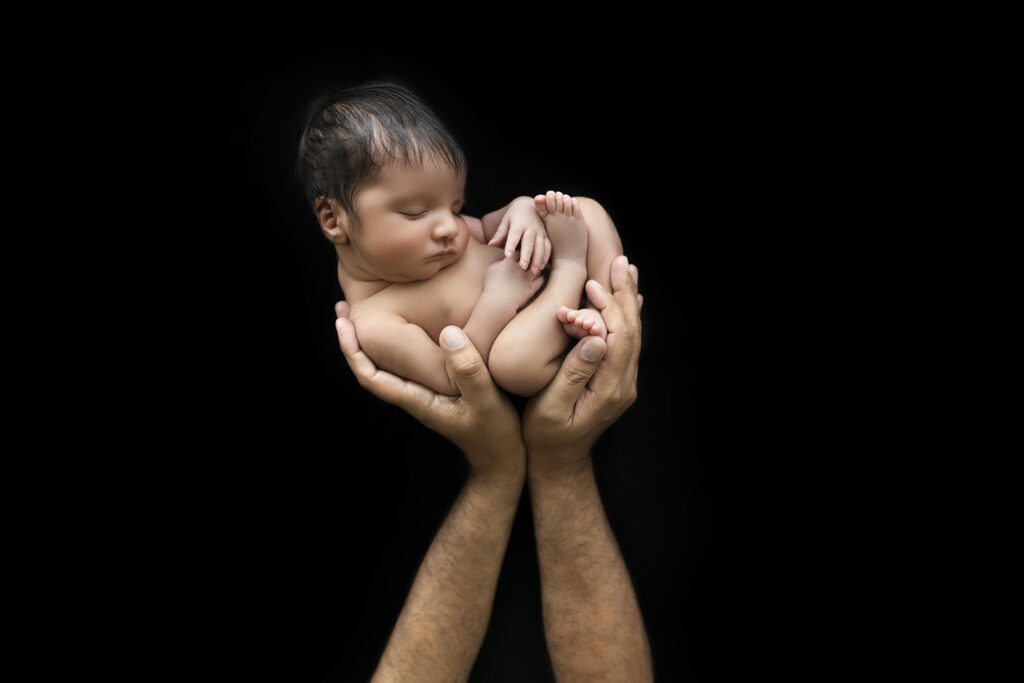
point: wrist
(504, 481)
(563, 464)
(496, 304)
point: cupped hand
(481, 421)
(596, 383)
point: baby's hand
(522, 226)
(507, 284)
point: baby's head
(352, 136)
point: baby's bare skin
(447, 298)
(482, 289)
(582, 322)
(480, 293)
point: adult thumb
(577, 369)
(465, 365)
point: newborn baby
(387, 184)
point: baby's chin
(429, 270)
(447, 260)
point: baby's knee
(592, 210)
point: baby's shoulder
(384, 304)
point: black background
(764, 489)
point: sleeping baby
(386, 182)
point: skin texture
(441, 626)
(592, 620)
(412, 264)
(528, 352)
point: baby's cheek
(402, 250)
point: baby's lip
(442, 253)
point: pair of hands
(596, 384)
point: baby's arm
(404, 349)
(519, 226)
(492, 220)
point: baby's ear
(333, 220)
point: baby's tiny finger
(526, 251)
(512, 242)
(538, 255)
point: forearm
(592, 621)
(442, 625)
(489, 317)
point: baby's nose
(447, 228)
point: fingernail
(591, 350)
(452, 338)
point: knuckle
(576, 374)
(468, 366)
(630, 334)
(547, 420)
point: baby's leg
(603, 245)
(527, 353)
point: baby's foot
(566, 229)
(582, 323)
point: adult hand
(588, 394)
(481, 421)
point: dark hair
(351, 134)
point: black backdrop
(759, 486)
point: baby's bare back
(447, 298)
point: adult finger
(466, 366)
(620, 311)
(635, 272)
(624, 279)
(577, 369)
(619, 308)
(342, 309)
(624, 285)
